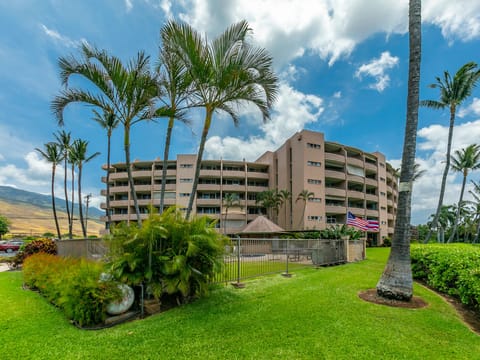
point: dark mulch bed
(470, 316)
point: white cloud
(431, 157)
(473, 108)
(128, 5)
(329, 28)
(337, 94)
(457, 19)
(62, 39)
(292, 112)
(377, 68)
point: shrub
(452, 269)
(47, 246)
(168, 254)
(73, 285)
(387, 242)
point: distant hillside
(17, 196)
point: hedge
(452, 269)
(73, 285)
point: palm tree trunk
(53, 204)
(67, 205)
(129, 173)
(457, 216)
(206, 128)
(80, 206)
(477, 232)
(109, 216)
(70, 225)
(396, 281)
(165, 161)
(444, 177)
(225, 222)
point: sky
(342, 65)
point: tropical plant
(63, 140)
(476, 195)
(304, 196)
(53, 154)
(78, 153)
(109, 122)
(175, 86)
(453, 92)
(270, 200)
(396, 281)
(285, 197)
(463, 161)
(340, 231)
(225, 73)
(230, 200)
(445, 221)
(4, 225)
(129, 92)
(169, 254)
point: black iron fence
(245, 258)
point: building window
(186, 180)
(313, 146)
(314, 181)
(186, 166)
(382, 179)
(383, 208)
(382, 165)
(331, 219)
(314, 163)
(184, 194)
(382, 193)
(314, 218)
(314, 199)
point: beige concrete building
(340, 178)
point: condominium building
(338, 178)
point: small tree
(4, 225)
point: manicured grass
(316, 314)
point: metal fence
(245, 258)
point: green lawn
(316, 314)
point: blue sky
(342, 64)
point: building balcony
(234, 174)
(233, 188)
(340, 159)
(143, 188)
(123, 217)
(334, 174)
(356, 179)
(208, 187)
(168, 187)
(351, 194)
(117, 190)
(391, 230)
(373, 213)
(389, 202)
(256, 189)
(390, 216)
(210, 173)
(141, 174)
(355, 162)
(119, 175)
(371, 197)
(335, 191)
(370, 166)
(201, 201)
(118, 203)
(335, 209)
(258, 175)
(371, 182)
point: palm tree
(304, 196)
(129, 92)
(109, 122)
(226, 73)
(476, 195)
(52, 152)
(463, 161)
(396, 281)
(230, 200)
(270, 200)
(175, 86)
(445, 221)
(285, 197)
(79, 158)
(453, 92)
(63, 140)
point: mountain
(16, 196)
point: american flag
(373, 225)
(357, 222)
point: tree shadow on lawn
(470, 316)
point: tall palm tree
(63, 140)
(396, 281)
(71, 161)
(230, 200)
(453, 92)
(109, 122)
(175, 87)
(463, 161)
(52, 152)
(129, 92)
(286, 196)
(79, 157)
(304, 196)
(270, 200)
(476, 195)
(226, 73)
